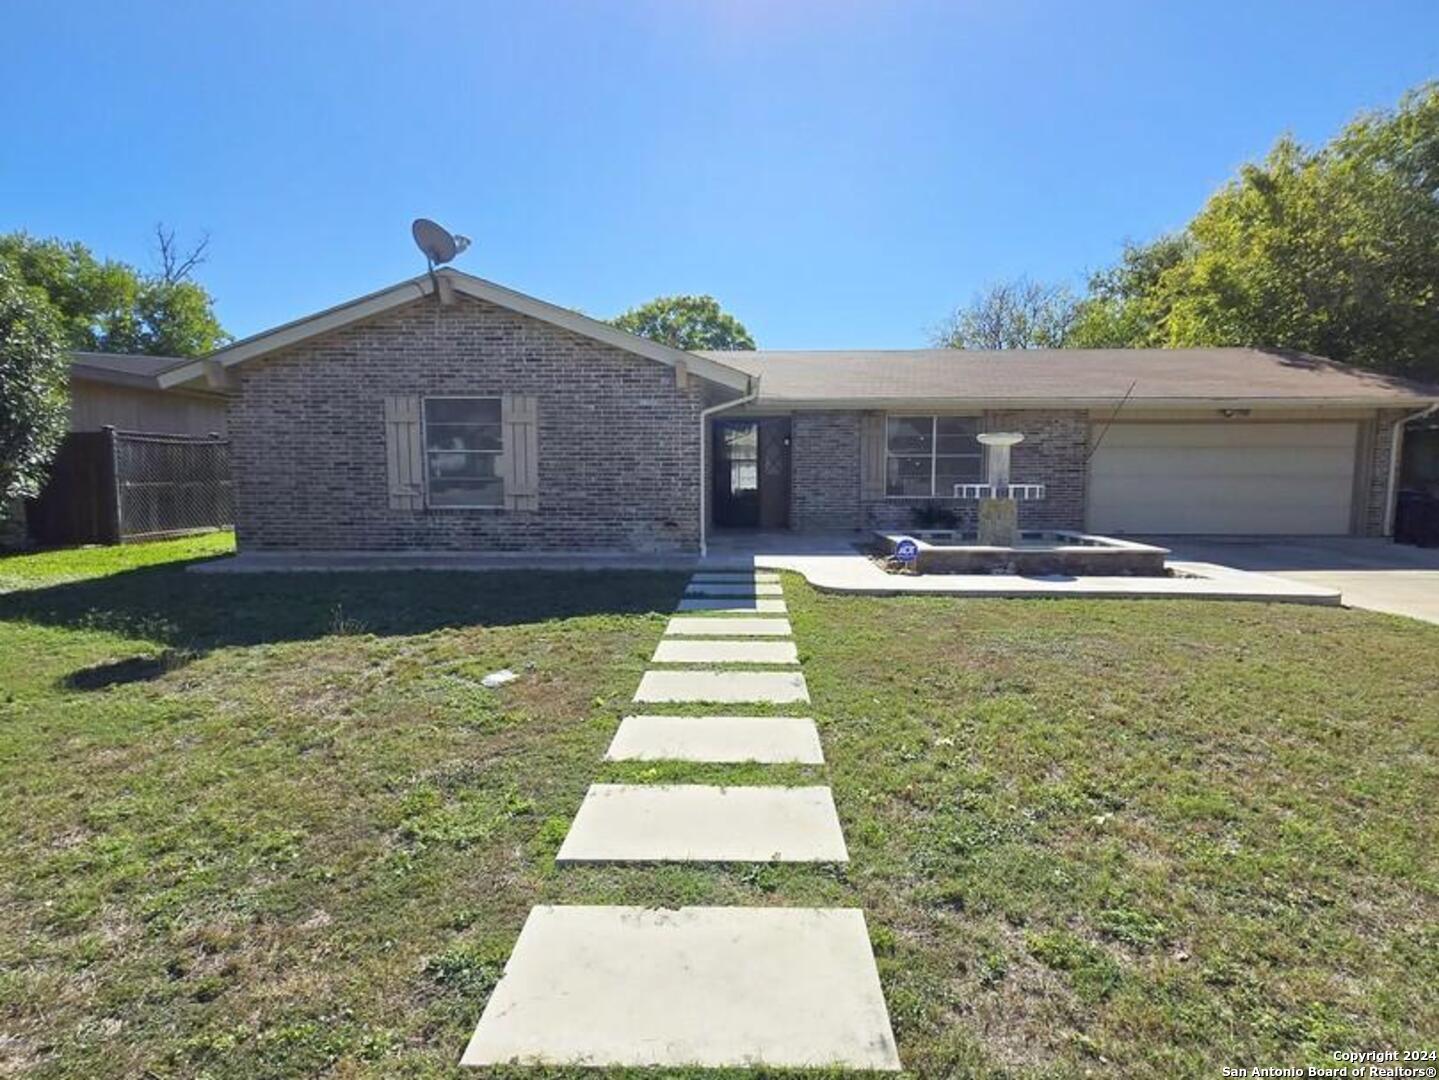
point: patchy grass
(272, 826)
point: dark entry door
(774, 473)
(751, 476)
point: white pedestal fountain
(998, 510)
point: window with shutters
(464, 444)
(927, 455)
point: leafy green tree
(109, 306)
(33, 387)
(1018, 314)
(1124, 308)
(686, 322)
(1333, 251)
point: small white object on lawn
(708, 987)
(498, 678)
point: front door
(751, 474)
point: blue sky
(837, 174)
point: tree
(1333, 251)
(109, 306)
(686, 322)
(33, 387)
(1124, 307)
(1018, 314)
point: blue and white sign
(907, 550)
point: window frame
(934, 454)
(425, 400)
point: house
(123, 391)
(448, 412)
(140, 460)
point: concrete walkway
(710, 987)
(1376, 575)
(767, 740)
(702, 823)
(720, 987)
(698, 685)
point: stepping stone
(732, 588)
(776, 687)
(726, 652)
(757, 576)
(702, 626)
(703, 986)
(702, 823)
(734, 606)
(767, 740)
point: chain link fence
(111, 486)
(169, 484)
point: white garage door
(1232, 478)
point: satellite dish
(436, 242)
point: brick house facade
(619, 437)
(590, 439)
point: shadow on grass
(130, 670)
(193, 614)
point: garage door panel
(1296, 463)
(1223, 478)
(1230, 433)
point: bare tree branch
(175, 265)
(1018, 314)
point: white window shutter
(404, 454)
(521, 463)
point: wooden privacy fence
(109, 486)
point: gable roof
(1030, 378)
(405, 292)
(121, 369)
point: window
(927, 455)
(464, 438)
(741, 451)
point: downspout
(1392, 499)
(705, 414)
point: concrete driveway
(1372, 574)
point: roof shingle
(1066, 376)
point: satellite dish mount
(438, 244)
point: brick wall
(618, 440)
(824, 460)
(1375, 491)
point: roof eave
(300, 330)
(893, 403)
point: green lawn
(272, 826)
